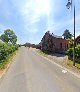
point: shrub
(77, 52)
(6, 50)
(70, 52)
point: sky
(30, 19)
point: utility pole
(69, 4)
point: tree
(77, 53)
(9, 36)
(67, 34)
(47, 43)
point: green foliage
(42, 53)
(70, 52)
(77, 52)
(8, 59)
(4, 38)
(70, 63)
(6, 50)
(9, 37)
(71, 42)
(67, 34)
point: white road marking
(64, 71)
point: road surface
(32, 73)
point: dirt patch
(1, 71)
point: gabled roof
(78, 39)
(56, 36)
(48, 32)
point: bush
(77, 52)
(70, 52)
(6, 50)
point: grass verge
(42, 53)
(70, 63)
(4, 63)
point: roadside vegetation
(67, 35)
(70, 63)
(42, 53)
(77, 56)
(70, 51)
(8, 47)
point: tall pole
(74, 40)
(69, 4)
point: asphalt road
(32, 73)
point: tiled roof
(56, 36)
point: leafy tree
(71, 42)
(9, 36)
(67, 34)
(47, 43)
(77, 52)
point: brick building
(77, 40)
(54, 43)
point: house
(54, 43)
(77, 40)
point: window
(67, 45)
(61, 45)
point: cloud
(31, 12)
(57, 16)
(37, 8)
(65, 23)
(31, 18)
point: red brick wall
(59, 41)
(60, 44)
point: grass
(70, 63)
(3, 64)
(42, 53)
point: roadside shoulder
(11, 59)
(71, 70)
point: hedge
(77, 52)
(6, 50)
